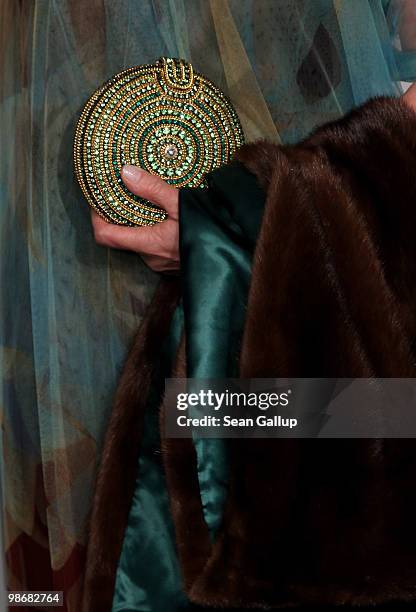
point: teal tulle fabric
(69, 307)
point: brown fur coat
(306, 521)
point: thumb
(410, 96)
(152, 188)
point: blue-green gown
(69, 307)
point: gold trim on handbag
(165, 118)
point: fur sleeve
(332, 294)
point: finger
(139, 239)
(152, 188)
(410, 96)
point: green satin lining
(218, 229)
(148, 576)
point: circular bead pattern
(165, 118)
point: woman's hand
(158, 245)
(410, 96)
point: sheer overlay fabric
(69, 307)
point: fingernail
(131, 173)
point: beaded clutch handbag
(165, 118)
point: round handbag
(165, 118)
